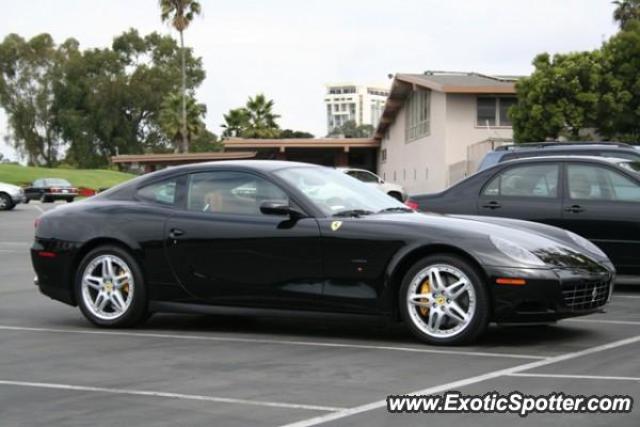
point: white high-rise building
(362, 104)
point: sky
(290, 49)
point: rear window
(163, 192)
(58, 181)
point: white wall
(461, 127)
(453, 129)
(419, 165)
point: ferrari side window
(231, 193)
(163, 192)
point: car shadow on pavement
(371, 331)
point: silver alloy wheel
(107, 287)
(441, 301)
(4, 202)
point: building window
(383, 155)
(493, 111)
(417, 117)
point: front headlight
(585, 244)
(516, 252)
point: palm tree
(262, 120)
(236, 122)
(181, 13)
(626, 10)
(172, 121)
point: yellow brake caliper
(424, 289)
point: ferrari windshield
(336, 193)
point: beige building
(350, 102)
(436, 126)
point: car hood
(552, 245)
(9, 187)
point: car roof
(580, 145)
(257, 165)
(593, 159)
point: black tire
(137, 311)
(6, 204)
(69, 200)
(480, 317)
(26, 200)
(395, 195)
(45, 199)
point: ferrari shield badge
(335, 225)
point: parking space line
(37, 207)
(271, 341)
(579, 377)
(605, 321)
(465, 382)
(170, 395)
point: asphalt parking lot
(193, 370)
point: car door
(34, 190)
(529, 191)
(602, 204)
(222, 249)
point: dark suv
(616, 150)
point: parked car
(394, 190)
(539, 149)
(10, 196)
(257, 235)
(49, 189)
(594, 197)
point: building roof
(176, 158)
(455, 82)
(441, 81)
(283, 144)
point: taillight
(412, 204)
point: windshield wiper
(353, 212)
(396, 209)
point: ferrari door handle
(574, 209)
(492, 205)
(175, 232)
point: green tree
(235, 122)
(181, 13)
(255, 120)
(289, 133)
(626, 11)
(109, 100)
(349, 129)
(205, 142)
(261, 118)
(171, 120)
(29, 71)
(620, 107)
(561, 98)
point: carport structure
(336, 152)
(151, 162)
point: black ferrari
(265, 235)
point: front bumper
(18, 198)
(550, 294)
